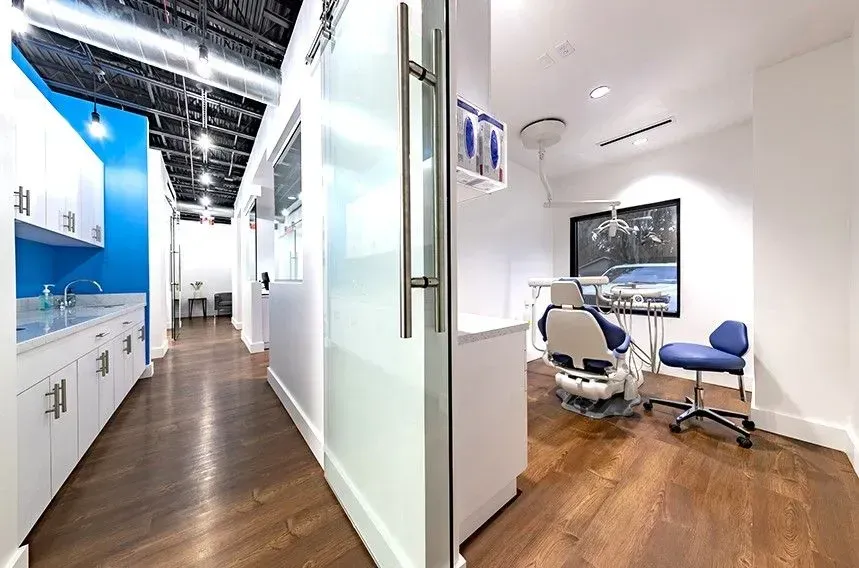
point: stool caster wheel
(749, 425)
(648, 405)
(744, 442)
(675, 428)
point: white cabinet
(107, 385)
(34, 454)
(91, 369)
(64, 428)
(91, 197)
(63, 177)
(118, 369)
(139, 350)
(29, 187)
(59, 180)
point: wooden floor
(201, 466)
(627, 492)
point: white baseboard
(853, 450)
(311, 434)
(382, 546)
(236, 323)
(148, 371)
(159, 351)
(253, 347)
(820, 433)
(20, 559)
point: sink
(109, 305)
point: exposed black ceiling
(260, 29)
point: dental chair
(589, 353)
(728, 343)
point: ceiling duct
(196, 209)
(119, 29)
(660, 124)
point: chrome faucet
(69, 285)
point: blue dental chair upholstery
(728, 343)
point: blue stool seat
(696, 357)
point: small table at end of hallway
(192, 301)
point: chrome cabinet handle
(142, 332)
(68, 224)
(107, 362)
(407, 68)
(19, 207)
(101, 368)
(63, 390)
(126, 322)
(55, 410)
(127, 348)
(100, 335)
(26, 199)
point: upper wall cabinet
(59, 187)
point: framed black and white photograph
(642, 249)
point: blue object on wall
(122, 266)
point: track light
(96, 126)
(204, 70)
(19, 22)
(204, 141)
(205, 201)
(206, 178)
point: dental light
(545, 133)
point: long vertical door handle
(405, 172)
(440, 215)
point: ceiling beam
(279, 20)
(132, 75)
(185, 140)
(185, 154)
(125, 104)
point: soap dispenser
(46, 300)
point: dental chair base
(597, 396)
(694, 408)
(598, 409)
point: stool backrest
(731, 337)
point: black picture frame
(669, 203)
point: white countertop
(473, 327)
(41, 327)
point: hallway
(201, 466)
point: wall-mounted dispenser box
(481, 166)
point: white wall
(160, 219)
(712, 176)
(8, 401)
(205, 258)
(803, 175)
(503, 239)
(296, 332)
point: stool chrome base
(696, 409)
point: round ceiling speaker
(542, 133)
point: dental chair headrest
(567, 293)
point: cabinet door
(64, 430)
(107, 385)
(63, 173)
(29, 117)
(139, 350)
(90, 371)
(34, 454)
(91, 224)
(118, 370)
(130, 377)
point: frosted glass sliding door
(387, 374)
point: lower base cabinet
(61, 416)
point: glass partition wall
(387, 338)
(288, 253)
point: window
(288, 251)
(647, 254)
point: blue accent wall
(122, 266)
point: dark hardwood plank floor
(626, 492)
(200, 466)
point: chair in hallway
(223, 303)
(728, 343)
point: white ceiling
(692, 60)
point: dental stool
(728, 343)
(589, 353)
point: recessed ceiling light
(639, 142)
(600, 92)
(205, 201)
(292, 198)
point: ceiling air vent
(638, 132)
